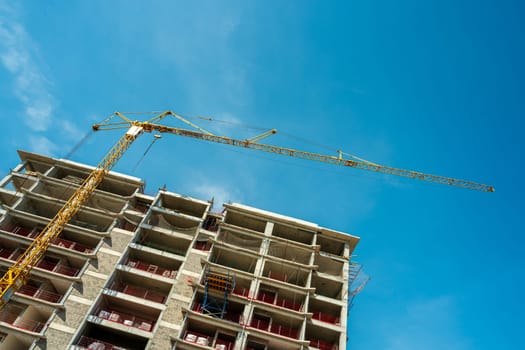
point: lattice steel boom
(358, 164)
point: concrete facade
(135, 271)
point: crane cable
(297, 138)
(80, 143)
(155, 138)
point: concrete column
(345, 308)
(346, 251)
(268, 229)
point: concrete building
(137, 271)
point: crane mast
(17, 275)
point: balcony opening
(276, 323)
(204, 334)
(289, 252)
(33, 165)
(285, 273)
(97, 200)
(280, 297)
(240, 240)
(235, 260)
(51, 291)
(109, 184)
(274, 343)
(330, 246)
(183, 205)
(255, 345)
(127, 313)
(233, 310)
(60, 265)
(224, 341)
(325, 312)
(8, 198)
(211, 223)
(322, 338)
(148, 289)
(293, 233)
(142, 206)
(28, 318)
(174, 223)
(21, 227)
(202, 243)
(329, 266)
(327, 287)
(95, 337)
(266, 295)
(83, 218)
(161, 241)
(242, 287)
(245, 221)
(69, 267)
(128, 224)
(19, 182)
(155, 264)
(75, 241)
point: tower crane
(17, 275)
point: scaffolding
(216, 306)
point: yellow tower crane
(16, 275)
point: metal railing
(57, 268)
(259, 324)
(9, 254)
(241, 291)
(13, 254)
(204, 246)
(40, 293)
(323, 345)
(139, 292)
(21, 231)
(274, 328)
(60, 242)
(14, 320)
(284, 331)
(151, 268)
(325, 317)
(278, 301)
(65, 243)
(278, 276)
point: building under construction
(163, 271)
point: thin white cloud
(189, 47)
(224, 124)
(71, 131)
(427, 324)
(220, 194)
(18, 56)
(42, 145)
(228, 118)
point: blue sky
(435, 86)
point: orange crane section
(17, 274)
